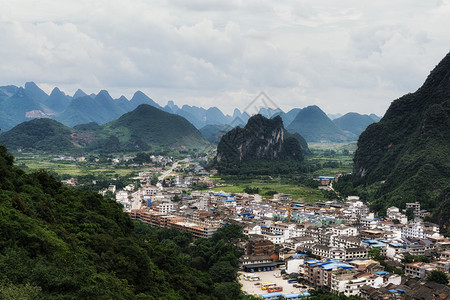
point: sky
(346, 55)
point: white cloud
(341, 55)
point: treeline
(58, 243)
(254, 167)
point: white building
(166, 207)
(413, 230)
(342, 230)
(294, 263)
(418, 269)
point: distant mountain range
(19, 104)
(138, 130)
(354, 123)
(213, 133)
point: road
(167, 173)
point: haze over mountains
(139, 130)
(19, 104)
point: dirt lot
(250, 288)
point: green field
(326, 160)
(38, 161)
(341, 154)
(298, 192)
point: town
(292, 246)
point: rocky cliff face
(261, 138)
(408, 150)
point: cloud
(336, 54)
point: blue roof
(393, 291)
(225, 195)
(336, 265)
(270, 295)
(397, 244)
(298, 255)
(295, 295)
(382, 272)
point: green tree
(415, 258)
(9, 291)
(375, 253)
(223, 271)
(438, 276)
(154, 179)
(227, 290)
(142, 157)
(410, 214)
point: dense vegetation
(138, 130)
(152, 126)
(39, 134)
(438, 277)
(58, 243)
(259, 148)
(405, 157)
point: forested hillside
(58, 243)
(261, 147)
(39, 134)
(405, 157)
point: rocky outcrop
(261, 138)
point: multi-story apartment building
(418, 269)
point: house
(418, 269)
(413, 230)
(427, 290)
(395, 251)
(415, 207)
(257, 263)
(257, 245)
(294, 262)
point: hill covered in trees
(40, 134)
(353, 123)
(405, 156)
(149, 125)
(262, 146)
(137, 130)
(315, 126)
(213, 133)
(58, 243)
